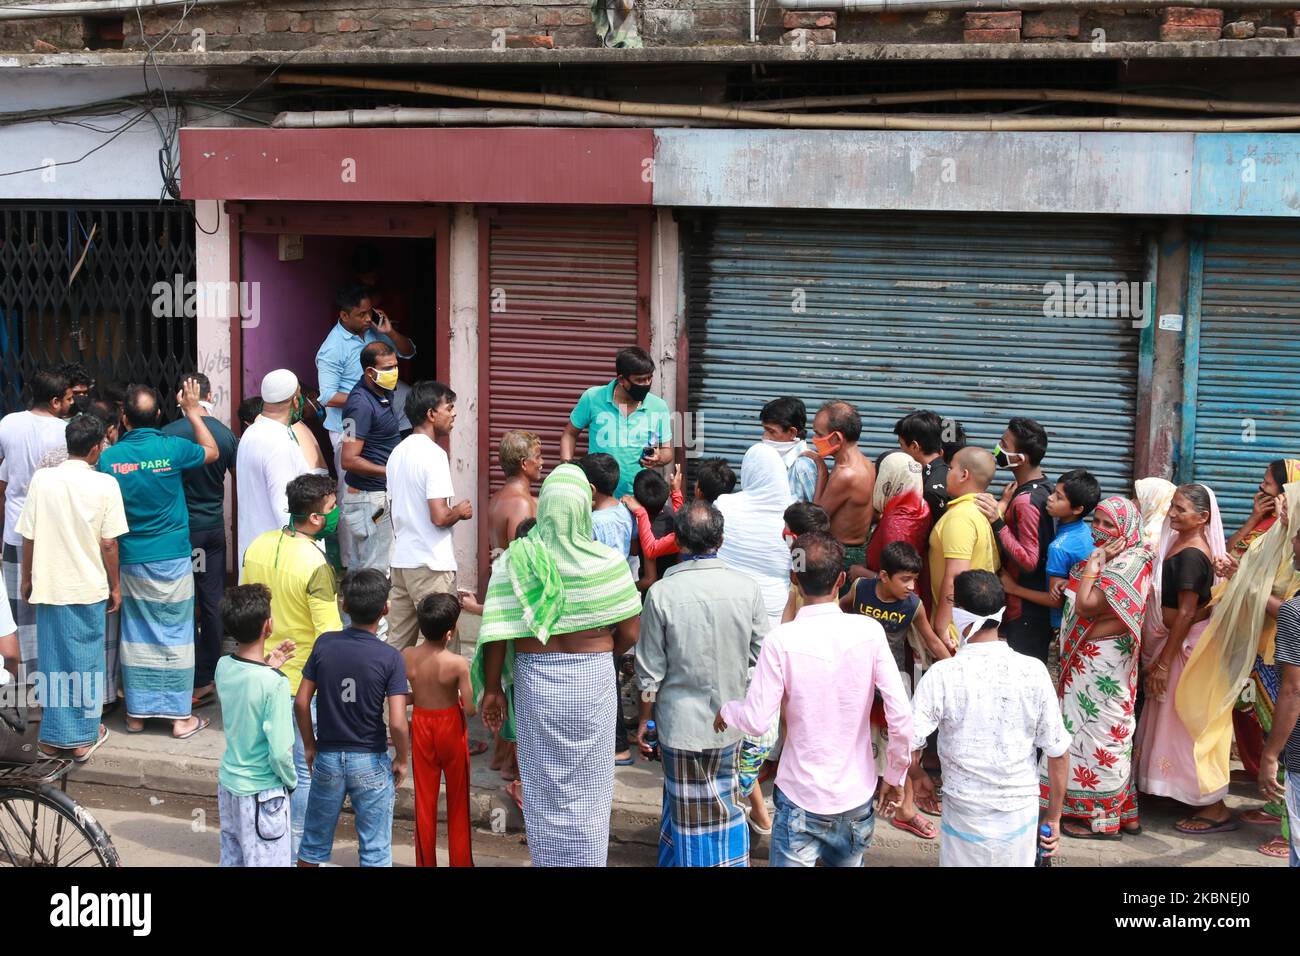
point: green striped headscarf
(558, 579)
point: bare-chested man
(846, 493)
(520, 456)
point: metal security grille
(109, 314)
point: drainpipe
(903, 6)
(79, 8)
(452, 116)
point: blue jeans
(801, 838)
(298, 799)
(372, 541)
(366, 779)
(1293, 816)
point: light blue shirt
(338, 366)
(614, 527)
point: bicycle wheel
(43, 826)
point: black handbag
(18, 737)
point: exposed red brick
(1191, 17)
(301, 26)
(1238, 30)
(990, 36)
(1170, 33)
(530, 42)
(809, 19)
(993, 20)
(421, 24)
(40, 46)
(577, 17)
(549, 18)
(1271, 33)
(349, 26)
(1051, 23)
(277, 22)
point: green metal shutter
(1242, 382)
(908, 311)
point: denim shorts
(366, 779)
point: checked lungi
(71, 683)
(24, 613)
(158, 638)
(564, 718)
(702, 823)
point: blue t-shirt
(371, 419)
(147, 465)
(1072, 544)
(354, 672)
(614, 527)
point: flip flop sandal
(203, 722)
(203, 701)
(628, 761)
(1216, 826)
(1277, 848)
(93, 747)
(754, 828)
(913, 826)
(936, 812)
(1089, 835)
(477, 747)
(1258, 817)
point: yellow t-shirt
(964, 534)
(304, 595)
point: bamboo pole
(881, 121)
(1047, 96)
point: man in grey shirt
(701, 630)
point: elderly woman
(557, 604)
(1101, 631)
(1166, 749)
(904, 514)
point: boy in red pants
(442, 699)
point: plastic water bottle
(651, 445)
(652, 739)
(1041, 859)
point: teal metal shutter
(910, 311)
(1241, 405)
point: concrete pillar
(665, 303)
(1160, 380)
(462, 259)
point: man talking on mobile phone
(338, 370)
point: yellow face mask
(386, 379)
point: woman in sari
(904, 514)
(1101, 631)
(557, 604)
(1176, 619)
(1252, 719)
(1154, 496)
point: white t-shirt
(269, 458)
(418, 470)
(25, 437)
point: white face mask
(968, 623)
(781, 447)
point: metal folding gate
(978, 318)
(1241, 385)
(85, 284)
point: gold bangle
(1089, 577)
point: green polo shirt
(147, 465)
(623, 436)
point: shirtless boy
(442, 699)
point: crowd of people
(883, 637)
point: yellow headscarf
(1154, 496)
(1238, 630)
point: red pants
(440, 745)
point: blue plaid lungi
(703, 823)
(71, 679)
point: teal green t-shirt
(147, 465)
(623, 436)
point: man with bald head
(962, 539)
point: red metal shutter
(563, 291)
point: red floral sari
(1099, 681)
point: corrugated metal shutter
(1242, 383)
(565, 291)
(908, 312)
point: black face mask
(636, 392)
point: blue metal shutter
(1242, 380)
(912, 311)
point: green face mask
(296, 415)
(331, 523)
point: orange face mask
(826, 445)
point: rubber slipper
(754, 827)
(628, 761)
(1258, 817)
(1216, 826)
(477, 747)
(93, 747)
(1277, 848)
(936, 812)
(1089, 835)
(203, 722)
(913, 826)
(202, 701)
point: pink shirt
(826, 666)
